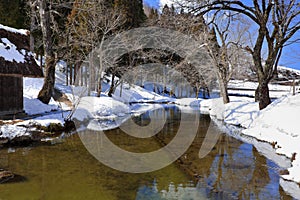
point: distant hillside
(284, 74)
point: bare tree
(277, 22)
(214, 36)
(199, 75)
(157, 46)
(90, 24)
(224, 36)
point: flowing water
(66, 170)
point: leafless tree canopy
(276, 21)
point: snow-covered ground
(247, 88)
(38, 112)
(32, 105)
(289, 69)
(136, 94)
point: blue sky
(290, 56)
(152, 3)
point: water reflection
(183, 192)
(232, 169)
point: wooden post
(121, 89)
(294, 86)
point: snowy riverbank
(38, 114)
(276, 125)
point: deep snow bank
(99, 108)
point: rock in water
(5, 176)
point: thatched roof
(15, 57)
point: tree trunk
(71, 73)
(207, 90)
(197, 92)
(77, 73)
(99, 88)
(85, 77)
(121, 89)
(262, 94)
(112, 86)
(41, 60)
(294, 86)
(256, 95)
(221, 64)
(32, 26)
(181, 91)
(67, 74)
(223, 90)
(46, 93)
(81, 76)
(92, 79)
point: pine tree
(13, 13)
(133, 10)
(153, 17)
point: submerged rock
(3, 141)
(5, 176)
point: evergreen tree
(133, 10)
(165, 10)
(13, 13)
(153, 17)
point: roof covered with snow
(15, 57)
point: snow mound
(289, 69)
(32, 105)
(192, 102)
(214, 107)
(46, 120)
(99, 108)
(241, 111)
(138, 94)
(12, 131)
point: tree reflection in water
(232, 169)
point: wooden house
(16, 62)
